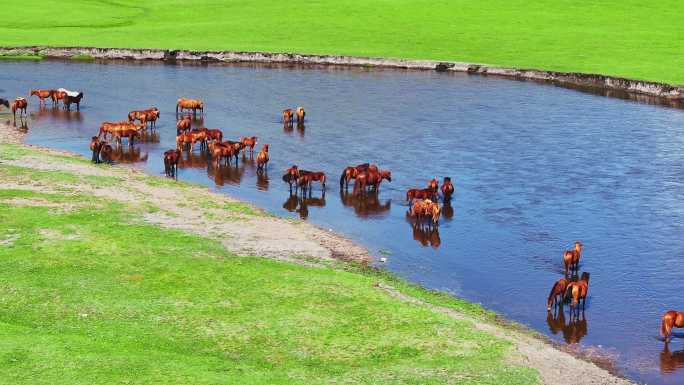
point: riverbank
(130, 263)
(642, 91)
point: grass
(89, 294)
(20, 56)
(627, 38)
(82, 57)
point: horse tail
(551, 295)
(666, 325)
(342, 178)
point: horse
(433, 185)
(578, 291)
(415, 193)
(557, 293)
(239, 146)
(670, 319)
(69, 100)
(300, 115)
(57, 95)
(19, 104)
(106, 152)
(190, 104)
(129, 133)
(95, 148)
(370, 179)
(447, 189)
(171, 158)
(571, 258)
(249, 142)
(113, 127)
(350, 172)
(42, 95)
(144, 116)
(221, 150)
(262, 158)
(183, 124)
(183, 141)
(291, 176)
(306, 178)
(214, 134)
(288, 116)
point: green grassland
(628, 38)
(91, 294)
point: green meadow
(627, 38)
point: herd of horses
(424, 207)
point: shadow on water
(671, 361)
(56, 114)
(574, 330)
(366, 206)
(129, 154)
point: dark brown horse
(19, 104)
(250, 142)
(214, 134)
(190, 104)
(239, 146)
(578, 291)
(106, 152)
(291, 176)
(351, 172)
(69, 100)
(42, 95)
(557, 293)
(370, 180)
(171, 158)
(307, 178)
(571, 258)
(447, 189)
(426, 193)
(671, 319)
(95, 145)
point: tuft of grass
(611, 37)
(20, 56)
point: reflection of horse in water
(194, 160)
(262, 181)
(671, 361)
(447, 211)
(426, 236)
(573, 331)
(365, 206)
(295, 203)
(128, 154)
(226, 175)
(58, 114)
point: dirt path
(246, 230)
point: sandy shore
(250, 231)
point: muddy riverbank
(639, 90)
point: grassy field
(628, 38)
(89, 293)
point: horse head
(386, 174)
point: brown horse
(288, 116)
(214, 134)
(113, 127)
(425, 209)
(171, 158)
(56, 96)
(95, 148)
(183, 125)
(106, 152)
(69, 100)
(426, 193)
(370, 179)
(557, 293)
(42, 95)
(300, 115)
(308, 177)
(578, 291)
(144, 116)
(19, 104)
(571, 258)
(130, 133)
(238, 146)
(447, 189)
(262, 158)
(222, 151)
(291, 176)
(671, 319)
(433, 185)
(190, 104)
(351, 172)
(183, 141)
(250, 142)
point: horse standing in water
(106, 152)
(288, 116)
(190, 104)
(42, 95)
(351, 172)
(95, 145)
(57, 95)
(447, 189)
(671, 319)
(578, 291)
(370, 179)
(571, 258)
(308, 177)
(300, 115)
(19, 104)
(183, 125)
(171, 158)
(557, 293)
(250, 142)
(262, 158)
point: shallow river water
(535, 168)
